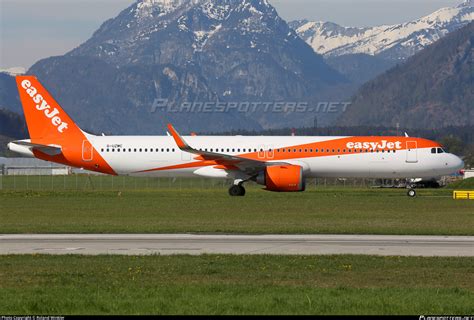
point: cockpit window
(440, 150)
(433, 150)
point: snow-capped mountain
(188, 51)
(15, 71)
(394, 42)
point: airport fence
(81, 182)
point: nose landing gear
(411, 193)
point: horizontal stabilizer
(50, 150)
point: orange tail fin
(49, 125)
(46, 120)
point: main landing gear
(237, 190)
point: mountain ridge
(433, 89)
(188, 51)
(394, 42)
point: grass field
(132, 208)
(467, 184)
(222, 284)
(235, 285)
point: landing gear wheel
(411, 193)
(237, 191)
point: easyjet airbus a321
(279, 163)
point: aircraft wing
(50, 150)
(249, 166)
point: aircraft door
(87, 151)
(261, 152)
(270, 153)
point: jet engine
(282, 178)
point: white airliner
(280, 164)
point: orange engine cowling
(286, 178)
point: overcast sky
(34, 29)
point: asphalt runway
(162, 244)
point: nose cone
(9, 146)
(456, 163)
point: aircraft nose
(457, 163)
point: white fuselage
(160, 157)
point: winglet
(178, 139)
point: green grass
(341, 211)
(221, 284)
(466, 184)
